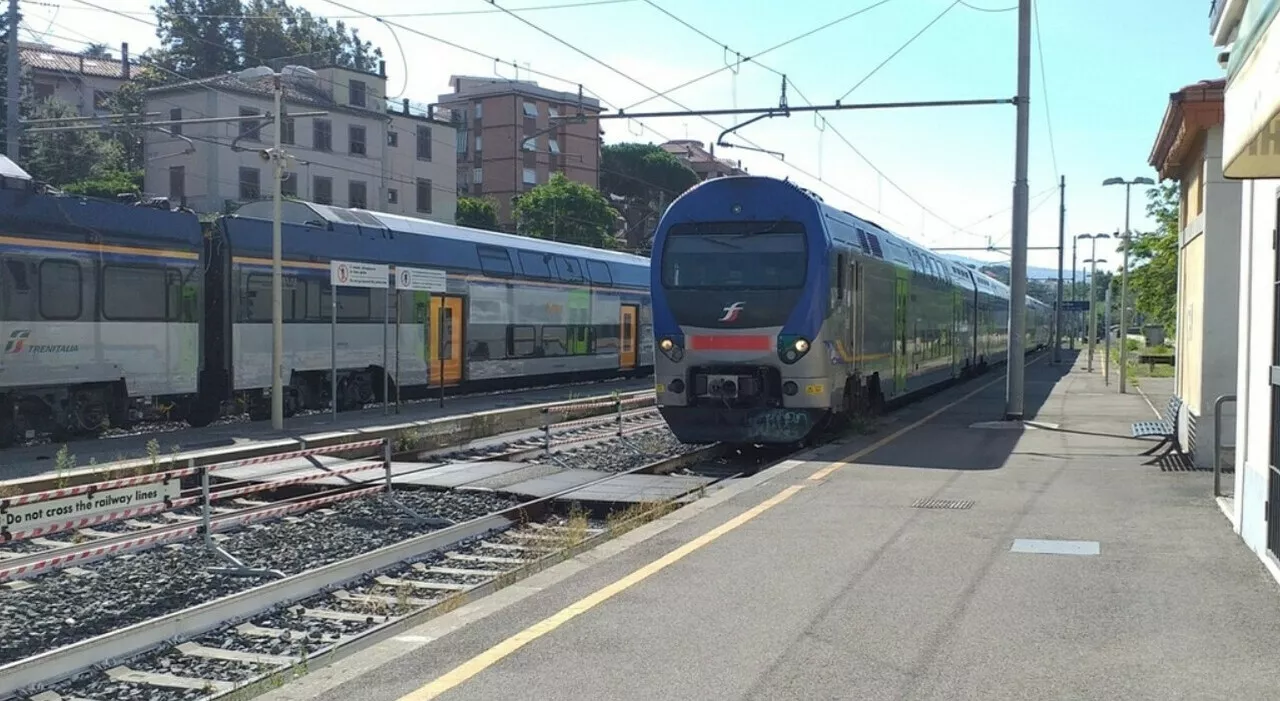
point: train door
(853, 334)
(900, 359)
(630, 317)
(957, 332)
(445, 344)
(579, 322)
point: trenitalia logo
(17, 340)
(731, 313)
(18, 344)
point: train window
(255, 298)
(535, 264)
(16, 296)
(522, 341)
(354, 303)
(568, 269)
(134, 293)
(61, 293)
(599, 273)
(841, 263)
(555, 340)
(495, 261)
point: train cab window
(535, 265)
(568, 269)
(495, 261)
(599, 273)
(16, 296)
(134, 293)
(61, 293)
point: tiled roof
(262, 87)
(47, 58)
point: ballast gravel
(67, 606)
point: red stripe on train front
(731, 343)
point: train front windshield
(735, 255)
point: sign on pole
(421, 280)
(344, 273)
(1075, 305)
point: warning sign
(421, 279)
(23, 517)
(344, 273)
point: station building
(1188, 150)
(1247, 36)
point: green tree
(569, 211)
(202, 38)
(64, 157)
(4, 81)
(646, 179)
(1153, 262)
(130, 99)
(477, 213)
(96, 50)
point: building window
(479, 144)
(479, 108)
(357, 93)
(249, 128)
(393, 139)
(286, 130)
(477, 176)
(322, 189)
(530, 110)
(530, 176)
(175, 115)
(100, 99)
(355, 136)
(289, 184)
(178, 184)
(357, 195)
(424, 195)
(322, 135)
(553, 111)
(393, 196)
(250, 184)
(424, 143)
(460, 137)
(44, 91)
(553, 145)
(531, 144)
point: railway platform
(946, 556)
(29, 461)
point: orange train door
(446, 327)
(627, 344)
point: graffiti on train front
(778, 425)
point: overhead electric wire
(754, 57)
(1044, 86)
(436, 13)
(827, 122)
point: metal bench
(1166, 430)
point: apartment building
(67, 76)
(703, 162)
(507, 142)
(359, 153)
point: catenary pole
(1018, 265)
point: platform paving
(952, 562)
(39, 459)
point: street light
(277, 286)
(1093, 315)
(1124, 275)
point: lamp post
(1093, 316)
(1124, 275)
(1075, 294)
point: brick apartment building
(507, 144)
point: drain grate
(942, 504)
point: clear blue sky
(1110, 66)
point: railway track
(271, 626)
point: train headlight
(792, 348)
(672, 348)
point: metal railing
(1217, 442)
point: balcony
(1224, 19)
(1215, 14)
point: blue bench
(1165, 429)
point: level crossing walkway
(946, 556)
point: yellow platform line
(493, 655)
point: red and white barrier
(123, 482)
